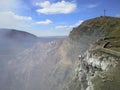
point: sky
(53, 17)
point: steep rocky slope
(98, 68)
(30, 69)
(40, 68)
(88, 32)
(26, 61)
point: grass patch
(109, 80)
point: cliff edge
(98, 68)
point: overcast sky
(52, 17)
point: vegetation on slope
(101, 26)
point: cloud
(65, 27)
(118, 15)
(46, 22)
(91, 6)
(11, 20)
(68, 27)
(10, 14)
(7, 4)
(11, 5)
(78, 23)
(62, 7)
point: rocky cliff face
(88, 32)
(83, 36)
(30, 63)
(98, 68)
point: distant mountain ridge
(14, 32)
(12, 40)
(17, 40)
(20, 34)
